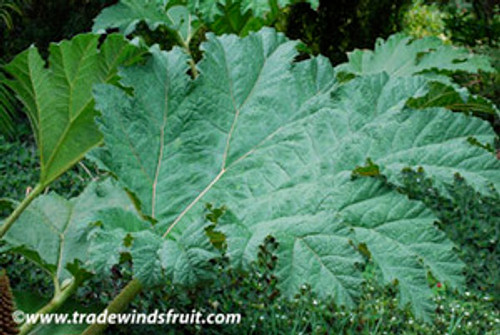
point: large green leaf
(209, 9)
(58, 98)
(7, 109)
(261, 7)
(395, 137)
(128, 13)
(452, 97)
(232, 19)
(181, 17)
(276, 142)
(401, 55)
(52, 231)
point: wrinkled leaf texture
(127, 14)
(402, 55)
(275, 142)
(52, 232)
(183, 16)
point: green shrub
(175, 143)
(19, 169)
(472, 221)
(475, 22)
(266, 311)
(422, 20)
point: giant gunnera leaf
(401, 55)
(276, 142)
(58, 98)
(181, 17)
(261, 7)
(126, 14)
(52, 231)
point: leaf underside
(58, 98)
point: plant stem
(118, 305)
(192, 63)
(19, 209)
(56, 302)
(194, 70)
(185, 46)
(86, 169)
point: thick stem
(57, 301)
(19, 209)
(192, 64)
(185, 46)
(118, 305)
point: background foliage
(470, 220)
(331, 28)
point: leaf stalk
(118, 305)
(19, 209)
(57, 301)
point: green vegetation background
(471, 221)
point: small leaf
(368, 170)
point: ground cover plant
(208, 159)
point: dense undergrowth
(472, 221)
(199, 160)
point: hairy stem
(19, 209)
(57, 301)
(118, 305)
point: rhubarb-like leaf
(400, 55)
(181, 17)
(276, 142)
(52, 231)
(260, 7)
(395, 137)
(232, 19)
(128, 13)
(209, 9)
(454, 98)
(58, 98)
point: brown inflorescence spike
(7, 307)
